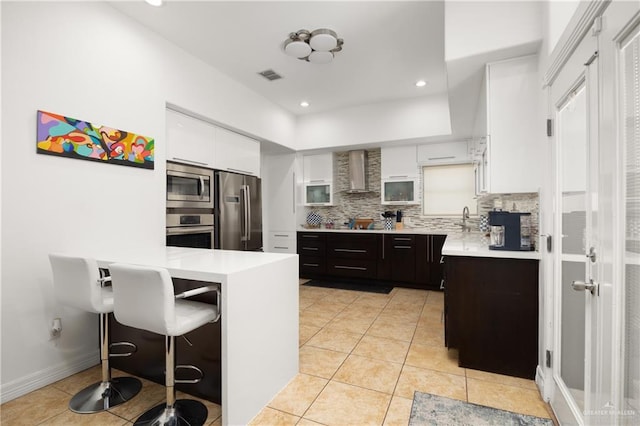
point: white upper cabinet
(236, 153)
(318, 167)
(444, 153)
(513, 126)
(399, 173)
(189, 140)
(398, 162)
(318, 179)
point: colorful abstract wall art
(73, 138)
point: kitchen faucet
(465, 216)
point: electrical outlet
(56, 328)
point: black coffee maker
(510, 231)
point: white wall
(86, 60)
(557, 15)
(476, 27)
(374, 123)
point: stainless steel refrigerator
(238, 212)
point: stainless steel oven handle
(184, 230)
(201, 187)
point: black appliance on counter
(510, 231)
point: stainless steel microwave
(189, 186)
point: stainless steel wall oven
(190, 230)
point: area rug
(430, 409)
(349, 285)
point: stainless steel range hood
(358, 168)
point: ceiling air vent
(270, 75)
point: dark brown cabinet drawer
(311, 248)
(311, 265)
(403, 241)
(311, 244)
(356, 268)
(351, 246)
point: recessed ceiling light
(421, 83)
(304, 104)
(154, 2)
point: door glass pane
(318, 193)
(630, 96)
(573, 143)
(399, 191)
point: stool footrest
(133, 347)
(189, 367)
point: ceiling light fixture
(154, 2)
(304, 104)
(421, 83)
(318, 46)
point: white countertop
(477, 246)
(426, 231)
(189, 263)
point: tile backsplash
(368, 205)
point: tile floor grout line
(334, 373)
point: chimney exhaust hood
(358, 168)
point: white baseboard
(540, 382)
(39, 379)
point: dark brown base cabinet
(491, 313)
(405, 260)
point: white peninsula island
(259, 322)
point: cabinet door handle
(441, 260)
(280, 235)
(310, 248)
(190, 161)
(356, 268)
(350, 250)
(314, 265)
(244, 172)
(431, 250)
(282, 248)
(449, 157)
(309, 236)
(402, 247)
(401, 239)
(442, 284)
(398, 176)
(428, 252)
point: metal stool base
(185, 412)
(104, 395)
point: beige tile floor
(362, 355)
(48, 405)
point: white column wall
(87, 61)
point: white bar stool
(144, 299)
(78, 284)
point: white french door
(574, 96)
(624, 48)
(596, 290)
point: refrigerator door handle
(248, 210)
(245, 213)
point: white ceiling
(388, 46)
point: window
(448, 189)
